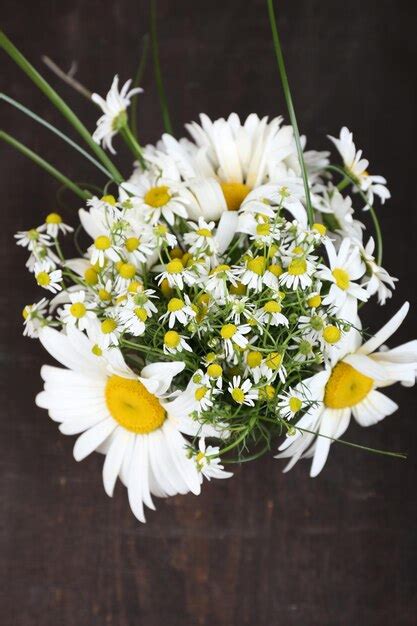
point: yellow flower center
(214, 370)
(165, 288)
(331, 334)
(320, 228)
(96, 350)
(53, 218)
(78, 310)
(267, 392)
(346, 387)
(272, 307)
(228, 330)
(109, 200)
(200, 393)
(220, 268)
(238, 290)
(43, 279)
(204, 232)
(341, 277)
(141, 314)
(157, 196)
(174, 267)
(132, 406)
(175, 304)
(314, 301)
(132, 244)
(102, 243)
(274, 360)
(135, 286)
(234, 194)
(263, 229)
(108, 326)
(172, 339)
(238, 395)
(297, 267)
(276, 270)
(90, 276)
(295, 404)
(126, 270)
(254, 359)
(104, 295)
(257, 265)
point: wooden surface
(264, 548)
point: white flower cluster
(203, 268)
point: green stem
(290, 107)
(158, 74)
(84, 195)
(59, 103)
(137, 82)
(378, 232)
(133, 144)
(43, 122)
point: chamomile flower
(139, 249)
(350, 387)
(273, 366)
(175, 274)
(54, 225)
(252, 274)
(201, 237)
(114, 116)
(270, 314)
(298, 273)
(345, 267)
(290, 404)
(105, 333)
(304, 348)
(234, 336)
(156, 198)
(79, 312)
(32, 239)
(379, 282)
(174, 343)
(340, 213)
(50, 280)
(208, 461)
(178, 310)
(242, 392)
(34, 318)
(357, 167)
(219, 281)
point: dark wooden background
(263, 548)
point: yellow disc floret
(91, 276)
(341, 277)
(234, 194)
(78, 310)
(156, 197)
(273, 360)
(253, 358)
(132, 406)
(320, 228)
(175, 304)
(108, 326)
(214, 370)
(297, 267)
(295, 404)
(257, 265)
(331, 334)
(53, 218)
(126, 270)
(272, 307)
(346, 387)
(43, 279)
(172, 339)
(314, 301)
(228, 330)
(238, 395)
(132, 244)
(102, 242)
(174, 267)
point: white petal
(114, 459)
(226, 230)
(386, 331)
(92, 438)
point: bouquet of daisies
(211, 314)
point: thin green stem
(290, 106)
(54, 130)
(158, 74)
(137, 82)
(59, 103)
(84, 195)
(133, 144)
(378, 232)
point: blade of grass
(158, 74)
(59, 103)
(84, 195)
(290, 106)
(54, 130)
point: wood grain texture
(263, 548)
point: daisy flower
(341, 212)
(114, 116)
(79, 313)
(50, 280)
(357, 167)
(242, 392)
(346, 266)
(127, 417)
(349, 388)
(208, 461)
(54, 225)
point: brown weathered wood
(263, 548)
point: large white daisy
(131, 419)
(349, 388)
